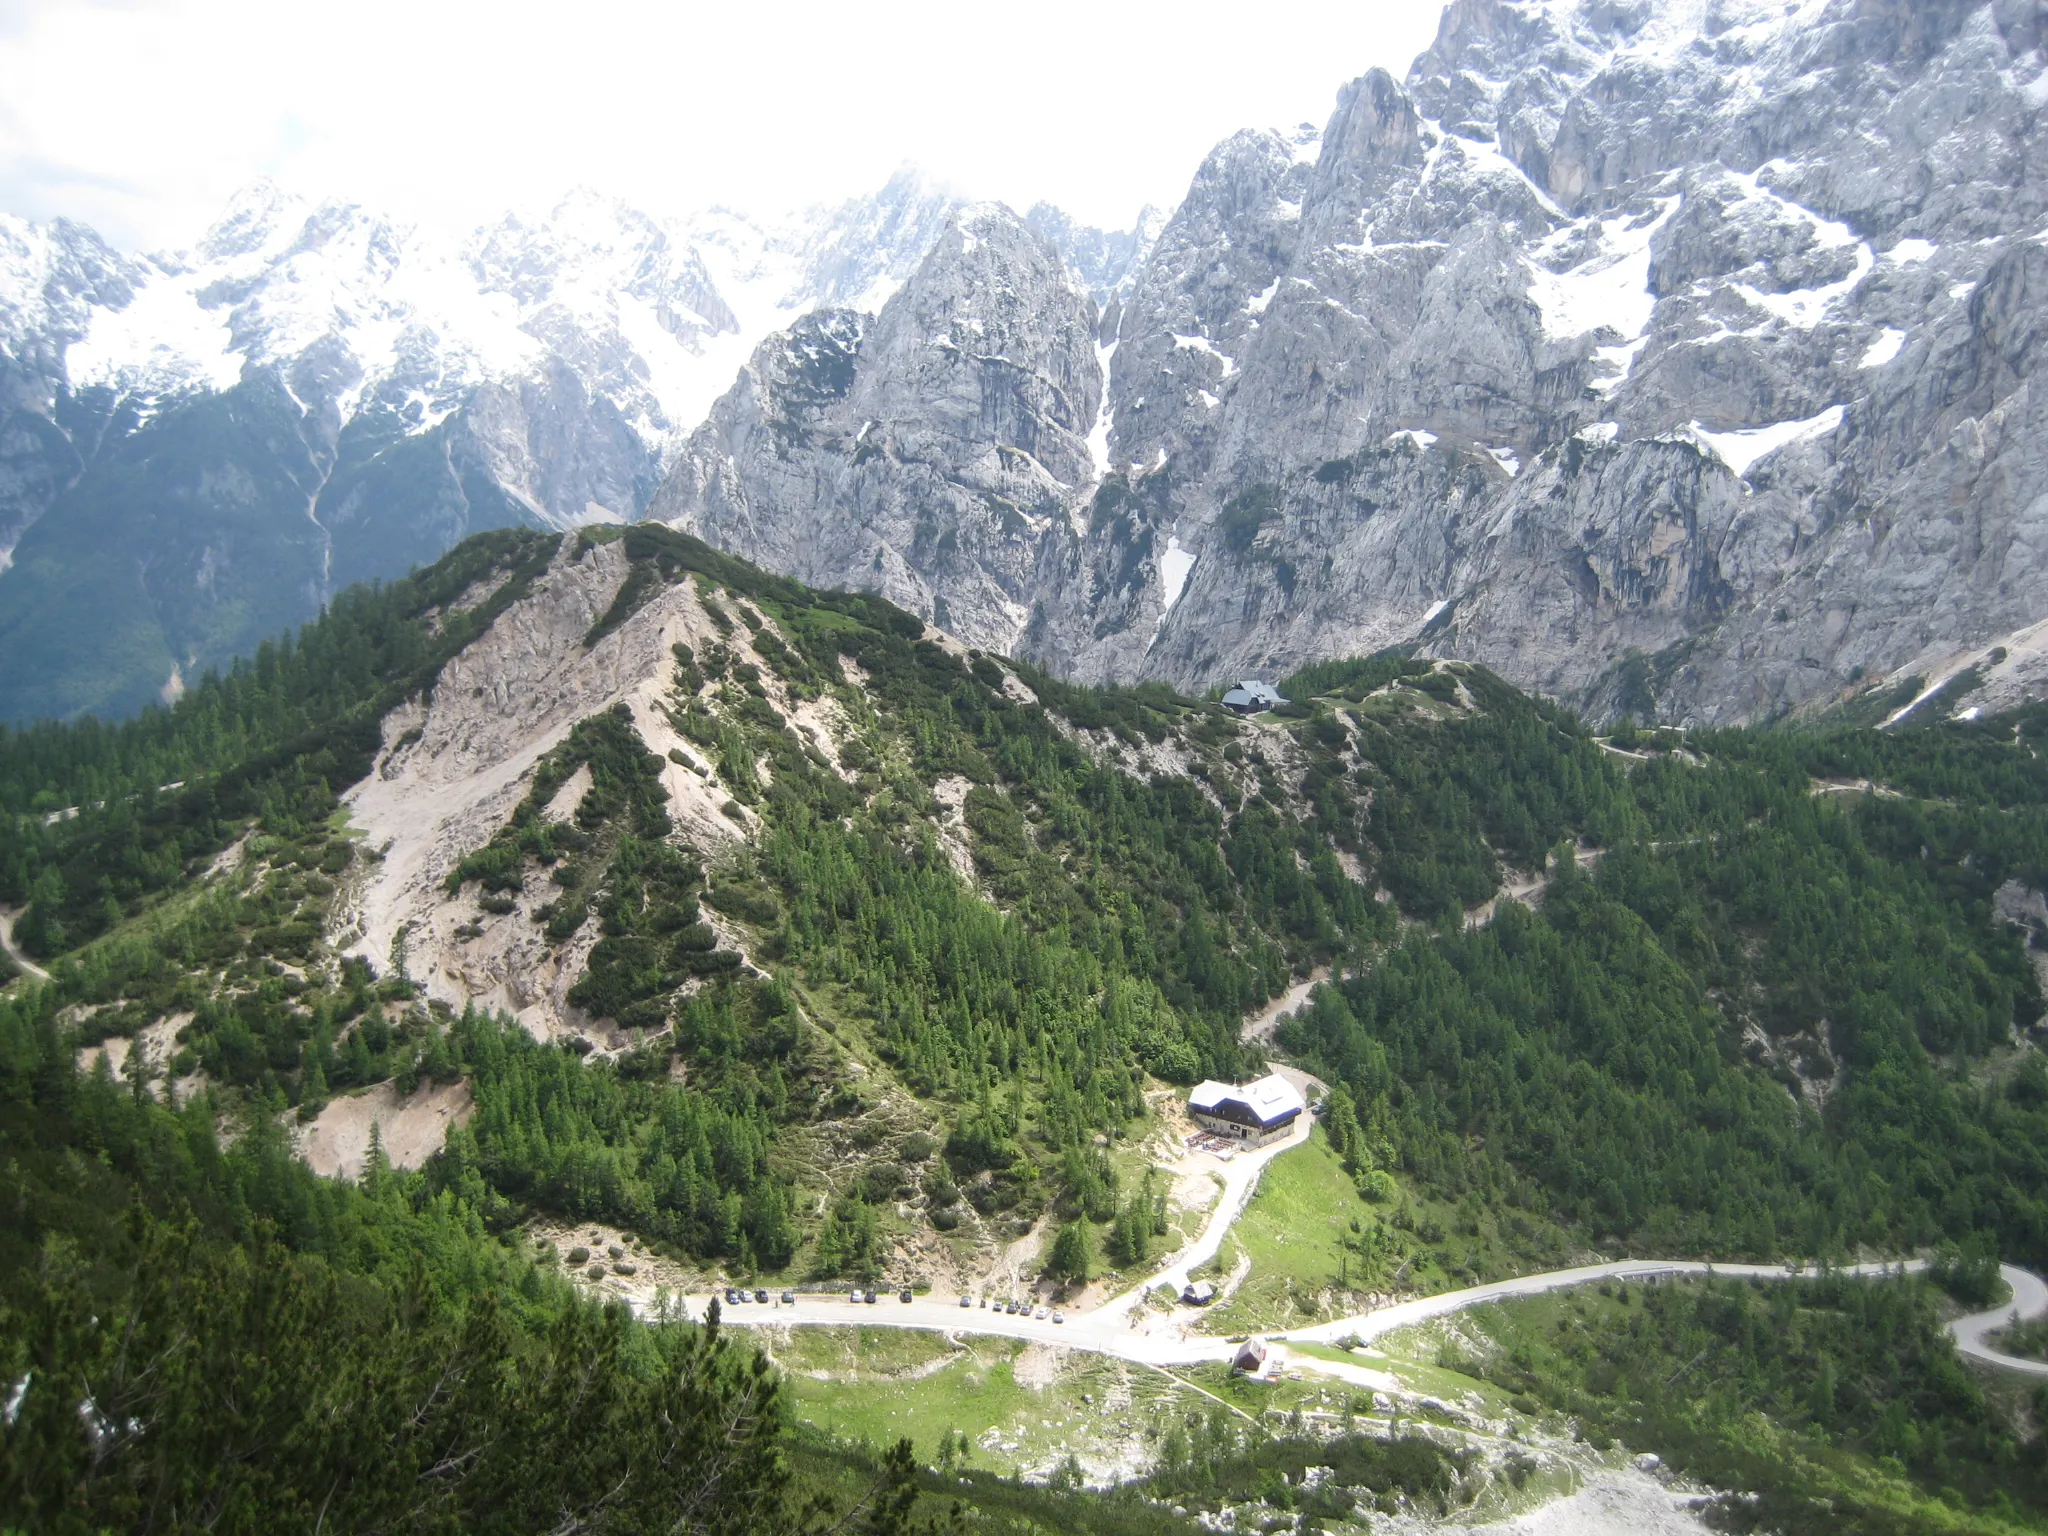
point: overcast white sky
(141, 116)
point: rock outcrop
(456, 762)
(924, 454)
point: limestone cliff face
(1711, 338)
(1672, 360)
(925, 454)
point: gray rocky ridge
(1670, 358)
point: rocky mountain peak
(924, 456)
(1373, 137)
(1617, 347)
(1102, 262)
(1670, 356)
(52, 277)
(314, 393)
(860, 252)
(257, 218)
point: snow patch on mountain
(164, 340)
(657, 316)
(1609, 290)
(1883, 349)
(1174, 566)
(1098, 434)
(1739, 450)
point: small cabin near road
(1251, 696)
(1198, 1293)
(1252, 1113)
(1250, 1358)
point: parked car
(873, 1297)
(732, 1297)
(789, 1298)
(1059, 1317)
(855, 1298)
(966, 1301)
(761, 1296)
(1042, 1313)
(1011, 1308)
(904, 1294)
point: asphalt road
(1169, 1340)
(2029, 1301)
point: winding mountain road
(8, 947)
(1124, 1328)
(1166, 1340)
(1260, 1026)
(2029, 1301)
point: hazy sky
(141, 116)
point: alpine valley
(628, 902)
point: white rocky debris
(455, 766)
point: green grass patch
(1328, 1352)
(971, 1395)
(1020, 1411)
(1300, 1232)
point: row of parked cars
(739, 1295)
(1015, 1308)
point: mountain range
(689, 845)
(1675, 360)
(200, 448)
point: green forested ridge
(1742, 1020)
(199, 1333)
(1836, 1403)
(96, 818)
(1127, 944)
(207, 1336)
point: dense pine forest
(1760, 994)
(1760, 1021)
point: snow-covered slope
(365, 311)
